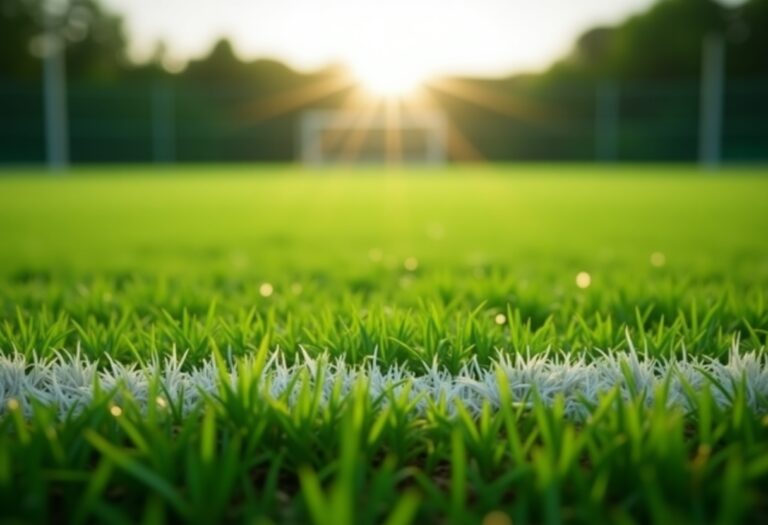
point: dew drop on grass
(116, 411)
(12, 404)
(266, 290)
(583, 280)
(501, 319)
(658, 259)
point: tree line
(661, 46)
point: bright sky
(419, 38)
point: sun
(388, 78)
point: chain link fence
(159, 121)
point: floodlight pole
(163, 122)
(711, 101)
(55, 100)
(606, 121)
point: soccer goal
(365, 137)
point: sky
(413, 38)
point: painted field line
(68, 380)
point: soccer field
(492, 344)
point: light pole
(711, 106)
(55, 96)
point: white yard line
(67, 381)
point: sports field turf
(523, 344)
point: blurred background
(167, 81)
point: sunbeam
(393, 135)
(355, 102)
(460, 148)
(285, 102)
(356, 137)
(527, 110)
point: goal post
(328, 137)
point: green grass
(130, 264)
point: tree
(94, 39)
(665, 42)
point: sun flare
(388, 78)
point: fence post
(55, 103)
(163, 122)
(711, 101)
(607, 121)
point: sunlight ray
(285, 102)
(460, 148)
(337, 135)
(393, 136)
(356, 137)
(510, 106)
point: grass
(638, 398)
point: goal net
(363, 137)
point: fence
(607, 121)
